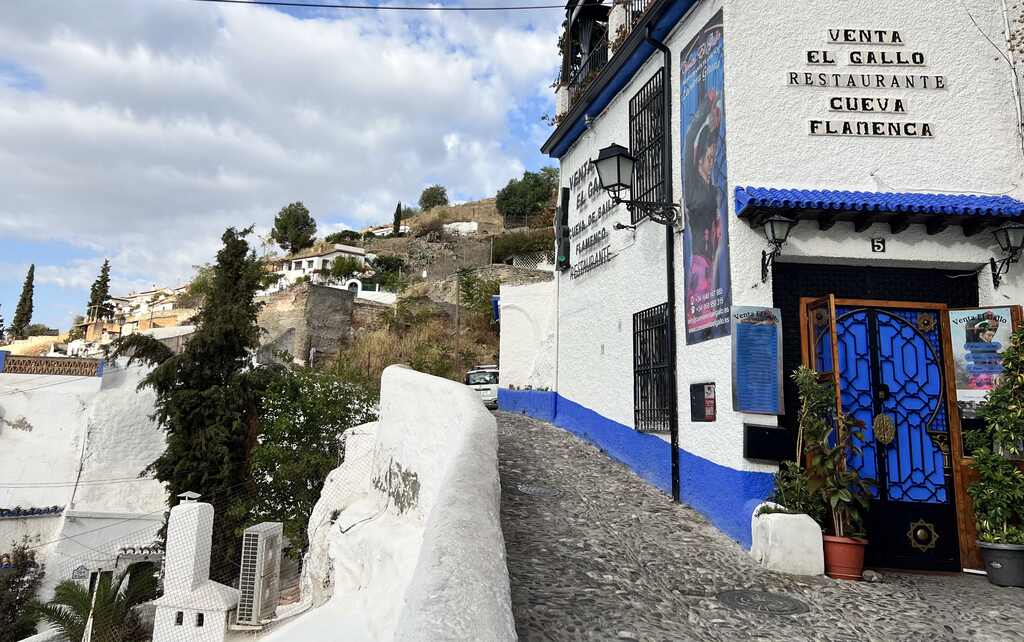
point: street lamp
(1010, 238)
(776, 231)
(615, 171)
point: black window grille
(647, 142)
(651, 400)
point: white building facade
(890, 131)
(311, 265)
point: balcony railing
(588, 70)
(581, 76)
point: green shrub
(508, 245)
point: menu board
(757, 360)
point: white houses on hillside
(311, 263)
(834, 184)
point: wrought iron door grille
(651, 401)
(646, 142)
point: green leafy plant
(23, 312)
(526, 197)
(998, 494)
(18, 586)
(342, 268)
(829, 442)
(111, 607)
(508, 245)
(793, 492)
(305, 414)
(344, 236)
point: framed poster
(978, 337)
(708, 289)
(757, 360)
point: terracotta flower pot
(844, 557)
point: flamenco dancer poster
(979, 337)
(708, 293)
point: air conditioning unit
(260, 580)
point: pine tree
(294, 229)
(208, 398)
(99, 295)
(23, 313)
(397, 225)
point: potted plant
(786, 529)
(828, 442)
(998, 494)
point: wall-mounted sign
(757, 360)
(590, 242)
(979, 337)
(875, 59)
(878, 245)
(708, 291)
(703, 405)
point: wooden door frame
(970, 556)
(966, 534)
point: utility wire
(373, 7)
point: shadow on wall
(725, 496)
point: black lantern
(615, 169)
(1010, 238)
(776, 231)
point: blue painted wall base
(727, 497)
(538, 404)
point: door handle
(882, 393)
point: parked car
(484, 379)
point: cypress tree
(397, 225)
(208, 399)
(23, 313)
(99, 295)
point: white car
(484, 379)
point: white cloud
(159, 123)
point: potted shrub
(828, 441)
(998, 494)
(786, 529)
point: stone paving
(609, 557)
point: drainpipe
(670, 260)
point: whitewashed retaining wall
(415, 549)
(527, 344)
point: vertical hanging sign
(757, 360)
(708, 294)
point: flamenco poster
(979, 337)
(708, 291)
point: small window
(651, 370)
(297, 265)
(309, 264)
(179, 618)
(200, 619)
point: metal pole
(670, 259)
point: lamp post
(1010, 238)
(776, 232)
(615, 171)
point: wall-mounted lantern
(615, 171)
(1010, 238)
(776, 231)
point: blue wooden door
(891, 377)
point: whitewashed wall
(974, 150)
(527, 347)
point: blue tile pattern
(748, 198)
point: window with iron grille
(647, 142)
(651, 401)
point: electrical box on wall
(702, 402)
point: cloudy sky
(139, 129)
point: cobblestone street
(595, 553)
